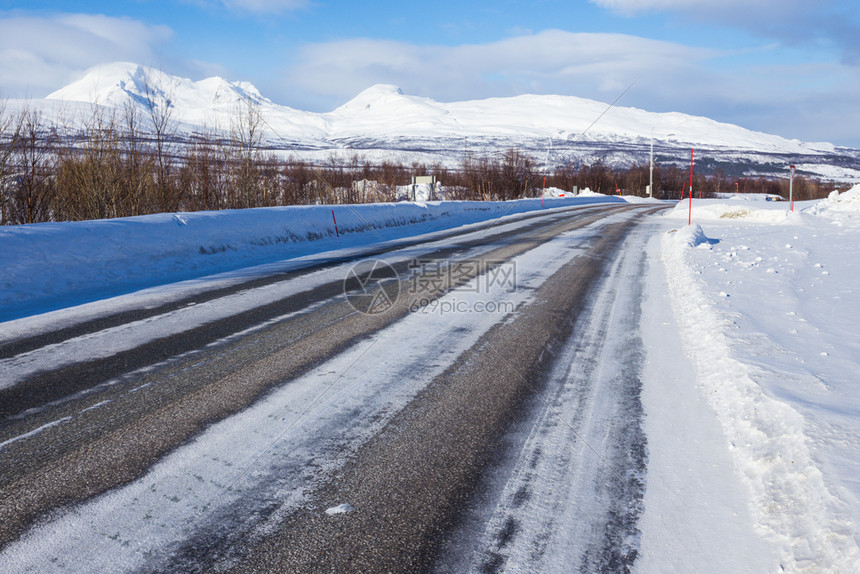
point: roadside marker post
(335, 224)
(791, 187)
(690, 216)
(543, 191)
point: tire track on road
(408, 484)
(567, 495)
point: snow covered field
(766, 307)
(752, 410)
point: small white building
(423, 188)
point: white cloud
(639, 6)
(553, 61)
(41, 54)
(824, 22)
(737, 12)
(261, 7)
(720, 84)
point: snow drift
(51, 265)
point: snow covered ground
(752, 410)
(766, 307)
(49, 266)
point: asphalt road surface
(466, 404)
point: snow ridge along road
(792, 504)
(311, 389)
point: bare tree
(159, 104)
(204, 173)
(90, 174)
(137, 184)
(10, 129)
(297, 177)
(33, 189)
(516, 176)
(247, 135)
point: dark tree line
(111, 167)
(673, 182)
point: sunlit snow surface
(766, 303)
(49, 266)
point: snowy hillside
(384, 123)
(211, 102)
(114, 84)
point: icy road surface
(326, 388)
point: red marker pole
(690, 216)
(543, 191)
(791, 187)
(335, 224)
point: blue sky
(790, 67)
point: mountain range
(383, 123)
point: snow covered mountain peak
(384, 110)
(381, 90)
(106, 84)
(379, 94)
(116, 83)
(382, 122)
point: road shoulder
(696, 516)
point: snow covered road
(330, 380)
(567, 494)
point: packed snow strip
(52, 265)
(557, 503)
(790, 420)
(697, 516)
